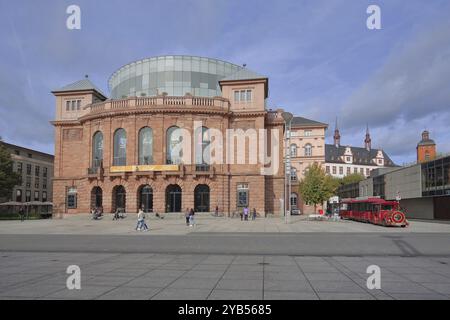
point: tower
(426, 148)
(337, 136)
(368, 140)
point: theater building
(117, 152)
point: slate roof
(304, 122)
(84, 84)
(244, 74)
(361, 156)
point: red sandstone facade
(78, 186)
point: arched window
(146, 146)
(201, 198)
(294, 200)
(308, 150)
(97, 149)
(120, 148)
(293, 174)
(202, 140)
(293, 150)
(172, 141)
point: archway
(201, 198)
(119, 198)
(173, 198)
(96, 197)
(145, 198)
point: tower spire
(337, 135)
(368, 140)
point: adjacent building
(118, 153)
(36, 170)
(342, 160)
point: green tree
(352, 178)
(316, 187)
(8, 178)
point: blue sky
(321, 59)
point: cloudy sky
(321, 59)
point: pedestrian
(187, 216)
(254, 214)
(246, 213)
(191, 218)
(144, 226)
(140, 220)
(21, 213)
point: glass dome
(174, 75)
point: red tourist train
(373, 210)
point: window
(36, 183)
(348, 159)
(361, 170)
(36, 171)
(145, 146)
(28, 169)
(30, 155)
(97, 149)
(293, 174)
(72, 198)
(28, 182)
(17, 152)
(120, 148)
(173, 138)
(44, 184)
(355, 170)
(36, 196)
(327, 169)
(308, 133)
(19, 167)
(367, 171)
(44, 196)
(334, 169)
(44, 172)
(202, 141)
(73, 105)
(28, 196)
(341, 170)
(293, 150)
(243, 95)
(348, 170)
(294, 200)
(67, 105)
(242, 195)
(78, 104)
(19, 195)
(308, 150)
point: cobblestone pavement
(38, 275)
(175, 225)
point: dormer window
(243, 95)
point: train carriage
(373, 210)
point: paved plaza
(222, 258)
(36, 275)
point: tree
(8, 178)
(352, 178)
(316, 187)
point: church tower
(337, 135)
(368, 140)
(426, 148)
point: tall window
(202, 140)
(293, 174)
(28, 169)
(19, 168)
(308, 150)
(44, 196)
(97, 149)
(28, 196)
(19, 195)
(120, 148)
(146, 146)
(172, 141)
(72, 198)
(242, 195)
(293, 150)
(36, 171)
(294, 201)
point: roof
(244, 74)
(426, 142)
(81, 85)
(361, 156)
(303, 122)
(11, 147)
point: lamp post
(287, 117)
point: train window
(386, 207)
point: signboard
(156, 167)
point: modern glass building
(174, 75)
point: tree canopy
(8, 178)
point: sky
(321, 59)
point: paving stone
(128, 293)
(294, 285)
(289, 295)
(345, 296)
(240, 284)
(86, 292)
(194, 283)
(182, 294)
(221, 294)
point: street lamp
(287, 117)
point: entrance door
(201, 198)
(97, 197)
(146, 197)
(173, 198)
(120, 197)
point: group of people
(245, 213)
(189, 215)
(97, 213)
